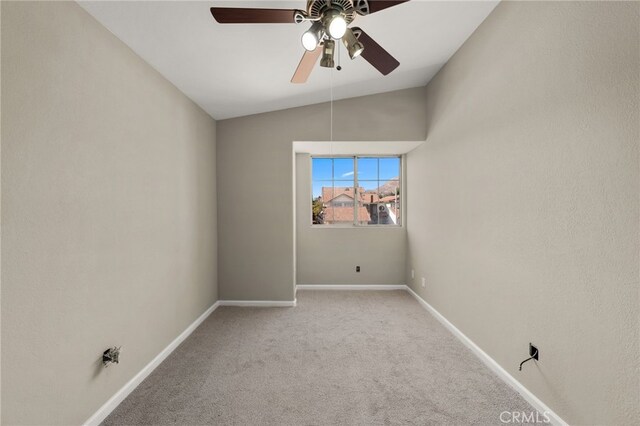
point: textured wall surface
(524, 200)
(108, 212)
(255, 175)
(330, 255)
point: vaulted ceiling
(235, 70)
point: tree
(317, 209)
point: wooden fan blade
(378, 5)
(238, 15)
(306, 65)
(375, 54)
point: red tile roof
(389, 199)
(345, 214)
(366, 197)
(329, 193)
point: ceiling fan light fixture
(327, 54)
(329, 20)
(350, 41)
(312, 36)
(336, 24)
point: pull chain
(331, 120)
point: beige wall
(330, 255)
(108, 213)
(255, 174)
(524, 201)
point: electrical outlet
(533, 352)
(413, 274)
(357, 269)
(424, 282)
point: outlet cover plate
(533, 352)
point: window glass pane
(389, 168)
(367, 168)
(364, 214)
(367, 214)
(368, 198)
(389, 204)
(368, 185)
(381, 198)
(339, 205)
(317, 207)
(322, 168)
(389, 188)
(316, 189)
(397, 205)
(343, 169)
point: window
(360, 191)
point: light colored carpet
(338, 358)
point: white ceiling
(235, 70)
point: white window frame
(355, 224)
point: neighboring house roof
(389, 199)
(370, 197)
(342, 198)
(345, 214)
(329, 193)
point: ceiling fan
(329, 22)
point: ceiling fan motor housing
(317, 8)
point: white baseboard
(350, 287)
(259, 303)
(491, 363)
(119, 396)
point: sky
(372, 172)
